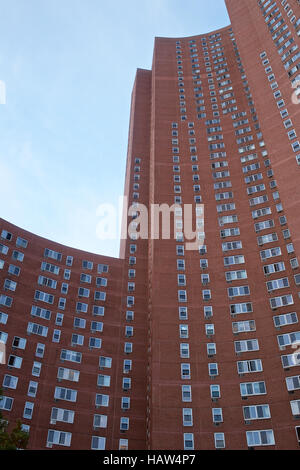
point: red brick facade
(208, 336)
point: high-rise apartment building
(169, 347)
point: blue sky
(69, 68)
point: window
(203, 263)
(186, 393)
(185, 371)
(21, 242)
(87, 264)
(261, 212)
(98, 310)
(290, 248)
(209, 329)
(77, 340)
(187, 417)
(270, 253)
(184, 350)
(229, 232)
(208, 311)
(105, 362)
(213, 369)
(102, 268)
(238, 291)
(52, 254)
(3, 249)
(3, 337)
(188, 441)
(64, 288)
(101, 400)
(243, 326)
(67, 274)
(125, 403)
(79, 322)
(14, 270)
(96, 326)
(183, 331)
(237, 259)
(126, 383)
(59, 438)
(260, 438)
(273, 268)
(28, 410)
(95, 343)
(269, 238)
(217, 415)
(219, 440)
(36, 369)
(6, 235)
(19, 343)
(103, 380)
(227, 219)
(3, 318)
(256, 412)
(69, 260)
(252, 388)
(288, 339)
(59, 414)
(62, 303)
(182, 296)
(46, 281)
(246, 345)
(32, 389)
(245, 367)
(68, 374)
(81, 307)
(232, 245)
(127, 366)
(85, 278)
(286, 234)
(72, 356)
(211, 349)
(285, 319)
(5, 300)
(129, 315)
(44, 297)
(56, 336)
(6, 403)
(206, 294)
(277, 284)
(100, 421)
(37, 329)
(83, 292)
(235, 275)
(277, 302)
(9, 381)
(215, 392)
(295, 408)
(258, 200)
(293, 383)
(241, 308)
(40, 312)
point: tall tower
(169, 347)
